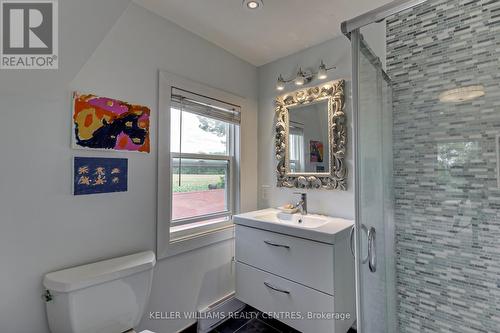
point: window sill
(196, 241)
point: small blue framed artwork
(92, 175)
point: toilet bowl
(108, 296)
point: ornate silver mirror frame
(336, 178)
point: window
(203, 166)
(198, 164)
(296, 138)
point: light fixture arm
(304, 77)
(329, 68)
(322, 64)
(326, 68)
(280, 78)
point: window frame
(229, 188)
(299, 133)
(169, 244)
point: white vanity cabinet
(304, 283)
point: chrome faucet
(302, 204)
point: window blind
(205, 106)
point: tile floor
(252, 321)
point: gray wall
(43, 226)
(335, 52)
(447, 200)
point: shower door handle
(351, 245)
(372, 250)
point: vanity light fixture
(280, 85)
(322, 71)
(300, 79)
(463, 94)
(303, 77)
(253, 4)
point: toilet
(104, 297)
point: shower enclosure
(426, 113)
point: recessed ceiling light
(253, 4)
(463, 94)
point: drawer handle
(277, 245)
(270, 286)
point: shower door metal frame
(351, 29)
(359, 46)
(378, 15)
(358, 225)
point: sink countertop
(331, 232)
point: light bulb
(280, 84)
(299, 81)
(322, 71)
(253, 4)
(300, 78)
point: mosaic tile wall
(447, 199)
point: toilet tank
(104, 297)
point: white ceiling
(280, 28)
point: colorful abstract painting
(316, 148)
(105, 123)
(93, 175)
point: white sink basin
(315, 227)
(296, 220)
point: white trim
(166, 246)
(183, 232)
(197, 241)
(200, 218)
(226, 305)
(189, 156)
(180, 331)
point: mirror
(308, 138)
(311, 137)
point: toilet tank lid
(85, 276)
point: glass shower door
(374, 229)
(443, 59)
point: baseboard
(190, 327)
(218, 312)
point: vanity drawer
(300, 260)
(272, 294)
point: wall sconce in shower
(303, 77)
(463, 94)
